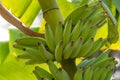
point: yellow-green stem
(70, 67)
(51, 13)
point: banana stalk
(51, 13)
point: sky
(4, 36)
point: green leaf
(67, 8)
(17, 8)
(25, 10)
(13, 69)
(117, 4)
(31, 13)
(4, 51)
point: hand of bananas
(74, 39)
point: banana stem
(51, 13)
(70, 67)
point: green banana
(77, 46)
(59, 51)
(44, 53)
(91, 32)
(96, 46)
(96, 73)
(111, 65)
(103, 73)
(24, 55)
(103, 55)
(18, 46)
(78, 13)
(30, 41)
(85, 48)
(109, 74)
(67, 52)
(54, 70)
(86, 63)
(101, 23)
(76, 30)
(59, 33)
(43, 73)
(88, 73)
(83, 63)
(85, 53)
(49, 38)
(67, 32)
(63, 74)
(78, 75)
(34, 54)
(37, 75)
(29, 53)
(85, 29)
(103, 62)
(32, 62)
(97, 17)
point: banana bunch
(64, 44)
(73, 39)
(33, 49)
(100, 68)
(91, 73)
(56, 73)
(92, 11)
(104, 60)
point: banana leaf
(4, 51)
(25, 10)
(13, 69)
(117, 4)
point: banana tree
(68, 48)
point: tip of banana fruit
(36, 67)
(86, 5)
(92, 38)
(60, 22)
(60, 69)
(61, 42)
(72, 43)
(24, 49)
(43, 79)
(33, 71)
(48, 61)
(81, 38)
(19, 56)
(100, 0)
(39, 43)
(69, 19)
